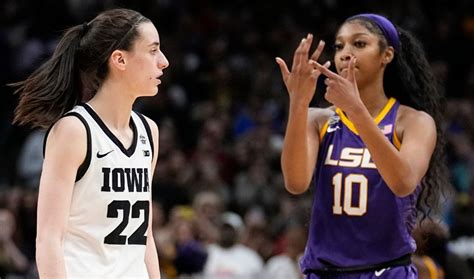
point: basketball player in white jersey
(94, 208)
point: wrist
(298, 106)
(358, 114)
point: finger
(298, 54)
(317, 52)
(325, 71)
(350, 70)
(283, 68)
(307, 44)
(316, 73)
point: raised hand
(341, 92)
(301, 81)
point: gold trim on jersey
(323, 131)
(396, 140)
(377, 119)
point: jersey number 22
(136, 238)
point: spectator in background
(30, 160)
(12, 260)
(228, 259)
(433, 257)
(208, 207)
(285, 264)
(256, 235)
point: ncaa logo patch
(143, 139)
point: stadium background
(222, 110)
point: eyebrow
(154, 44)
(354, 35)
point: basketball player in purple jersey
(369, 154)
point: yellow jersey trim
(377, 119)
(323, 131)
(396, 140)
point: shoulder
(67, 138)
(68, 128)
(319, 116)
(408, 116)
(411, 119)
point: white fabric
(86, 254)
(282, 267)
(232, 263)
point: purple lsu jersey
(356, 220)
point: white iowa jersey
(108, 219)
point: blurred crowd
(220, 207)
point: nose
(163, 62)
(345, 57)
(346, 54)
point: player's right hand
(301, 81)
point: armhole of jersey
(85, 165)
(322, 132)
(396, 140)
(148, 131)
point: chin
(153, 92)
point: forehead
(147, 34)
(352, 29)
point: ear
(117, 60)
(388, 55)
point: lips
(158, 79)
(342, 70)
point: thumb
(283, 68)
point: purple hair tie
(385, 25)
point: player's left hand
(341, 92)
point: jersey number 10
(348, 184)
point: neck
(373, 96)
(113, 104)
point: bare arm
(300, 147)
(151, 255)
(65, 151)
(401, 169)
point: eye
(154, 51)
(360, 44)
(337, 46)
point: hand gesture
(341, 92)
(301, 81)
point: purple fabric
(405, 272)
(385, 25)
(347, 239)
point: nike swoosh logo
(332, 129)
(103, 155)
(380, 272)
